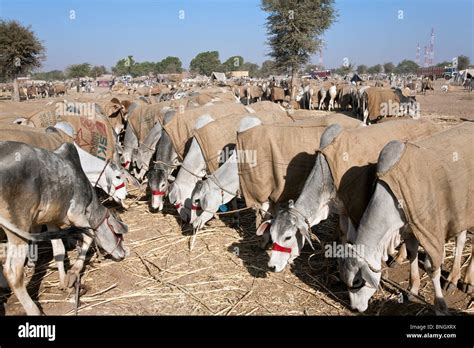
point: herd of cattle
(396, 184)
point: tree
(294, 29)
(234, 63)
(78, 70)
(206, 62)
(376, 69)
(388, 68)
(20, 52)
(124, 66)
(96, 71)
(142, 69)
(252, 68)
(463, 62)
(362, 69)
(269, 68)
(345, 69)
(406, 67)
(170, 65)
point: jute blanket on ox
(47, 116)
(378, 97)
(433, 181)
(144, 117)
(33, 136)
(275, 160)
(277, 93)
(94, 135)
(265, 106)
(216, 136)
(181, 128)
(353, 154)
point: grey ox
(383, 226)
(39, 187)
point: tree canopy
(78, 70)
(463, 62)
(206, 62)
(406, 67)
(294, 28)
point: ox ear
(263, 227)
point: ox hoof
(441, 306)
(71, 278)
(449, 286)
(412, 298)
(468, 289)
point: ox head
(383, 216)
(115, 183)
(158, 182)
(287, 232)
(109, 236)
(361, 279)
(207, 199)
(291, 227)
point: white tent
(220, 77)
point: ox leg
(402, 254)
(435, 275)
(75, 271)
(236, 215)
(17, 250)
(468, 286)
(455, 273)
(411, 249)
(59, 252)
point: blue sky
(366, 31)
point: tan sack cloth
(33, 136)
(93, 135)
(181, 128)
(433, 182)
(378, 96)
(275, 160)
(215, 136)
(353, 154)
(277, 93)
(144, 117)
(265, 106)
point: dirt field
(226, 273)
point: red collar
(158, 193)
(120, 186)
(278, 247)
(195, 207)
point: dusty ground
(226, 272)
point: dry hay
(225, 274)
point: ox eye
(287, 238)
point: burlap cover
(33, 136)
(353, 154)
(94, 135)
(378, 96)
(284, 155)
(215, 136)
(144, 117)
(433, 183)
(181, 128)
